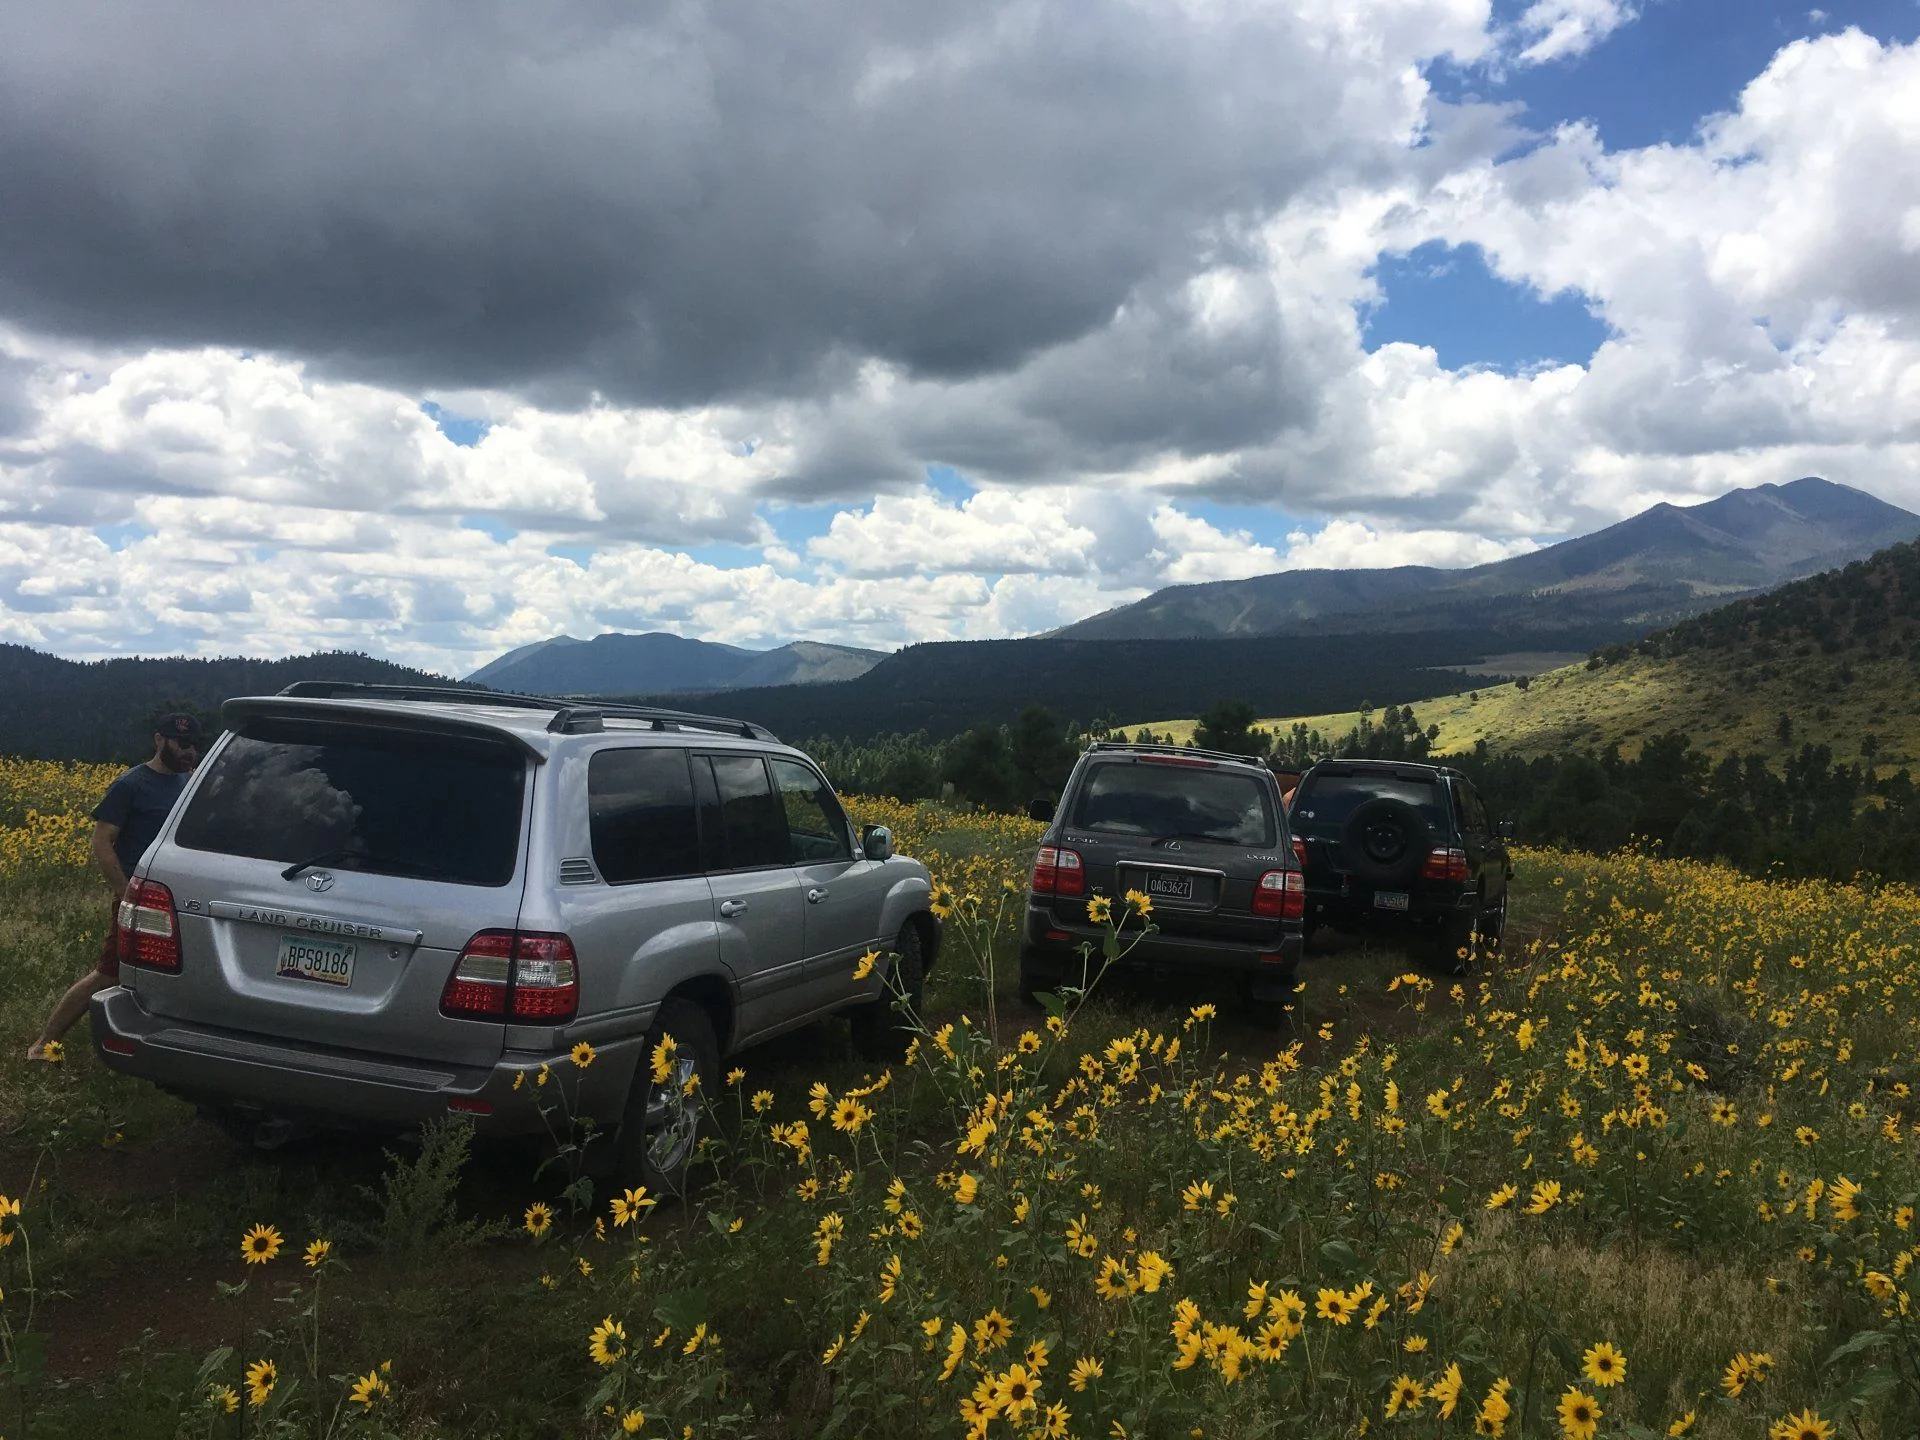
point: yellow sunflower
(608, 1342)
(370, 1388)
(260, 1244)
(318, 1251)
(1604, 1365)
(1807, 1425)
(262, 1376)
(583, 1055)
(1579, 1415)
(539, 1218)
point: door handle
(731, 908)
(815, 895)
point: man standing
(126, 821)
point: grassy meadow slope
(1833, 653)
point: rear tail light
(1445, 863)
(1300, 851)
(1281, 894)
(514, 974)
(148, 927)
(1058, 872)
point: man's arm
(104, 836)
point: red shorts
(109, 962)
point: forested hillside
(56, 709)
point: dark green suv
(1404, 848)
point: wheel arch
(714, 995)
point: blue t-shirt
(139, 803)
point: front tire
(661, 1128)
(881, 1032)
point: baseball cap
(179, 725)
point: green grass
(133, 1237)
(1725, 709)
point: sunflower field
(1648, 1173)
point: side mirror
(1041, 809)
(876, 842)
(1505, 829)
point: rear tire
(881, 1032)
(1492, 929)
(661, 1128)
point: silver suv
(375, 905)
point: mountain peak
(1666, 561)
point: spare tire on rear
(1385, 842)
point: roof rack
(1157, 747)
(570, 717)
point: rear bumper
(1352, 907)
(351, 1089)
(1045, 934)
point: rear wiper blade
(422, 868)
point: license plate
(328, 961)
(1170, 887)
(1389, 899)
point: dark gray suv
(379, 905)
(1404, 847)
(1203, 835)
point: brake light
(1177, 760)
(1281, 894)
(1300, 851)
(1058, 872)
(518, 974)
(1445, 862)
(149, 929)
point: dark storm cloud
(663, 204)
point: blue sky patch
(1655, 78)
(1446, 297)
(118, 537)
(487, 525)
(460, 429)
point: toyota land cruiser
(377, 904)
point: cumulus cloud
(667, 204)
(691, 267)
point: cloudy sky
(431, 329)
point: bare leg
(72, 1006)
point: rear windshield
(354, 798)
(1142, 798)
(1321, 809)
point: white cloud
(1565, 29)
(1350, 545)
(1758, 283)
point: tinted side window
(1473, 813)
(640, 813)
(753, 826)
(816, 826)
(389, 802)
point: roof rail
(1157, 747)
(570, 717)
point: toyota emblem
(319, 881)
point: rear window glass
(640, 814)
(353, 798)
(1227, 806)
(1321, 810)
